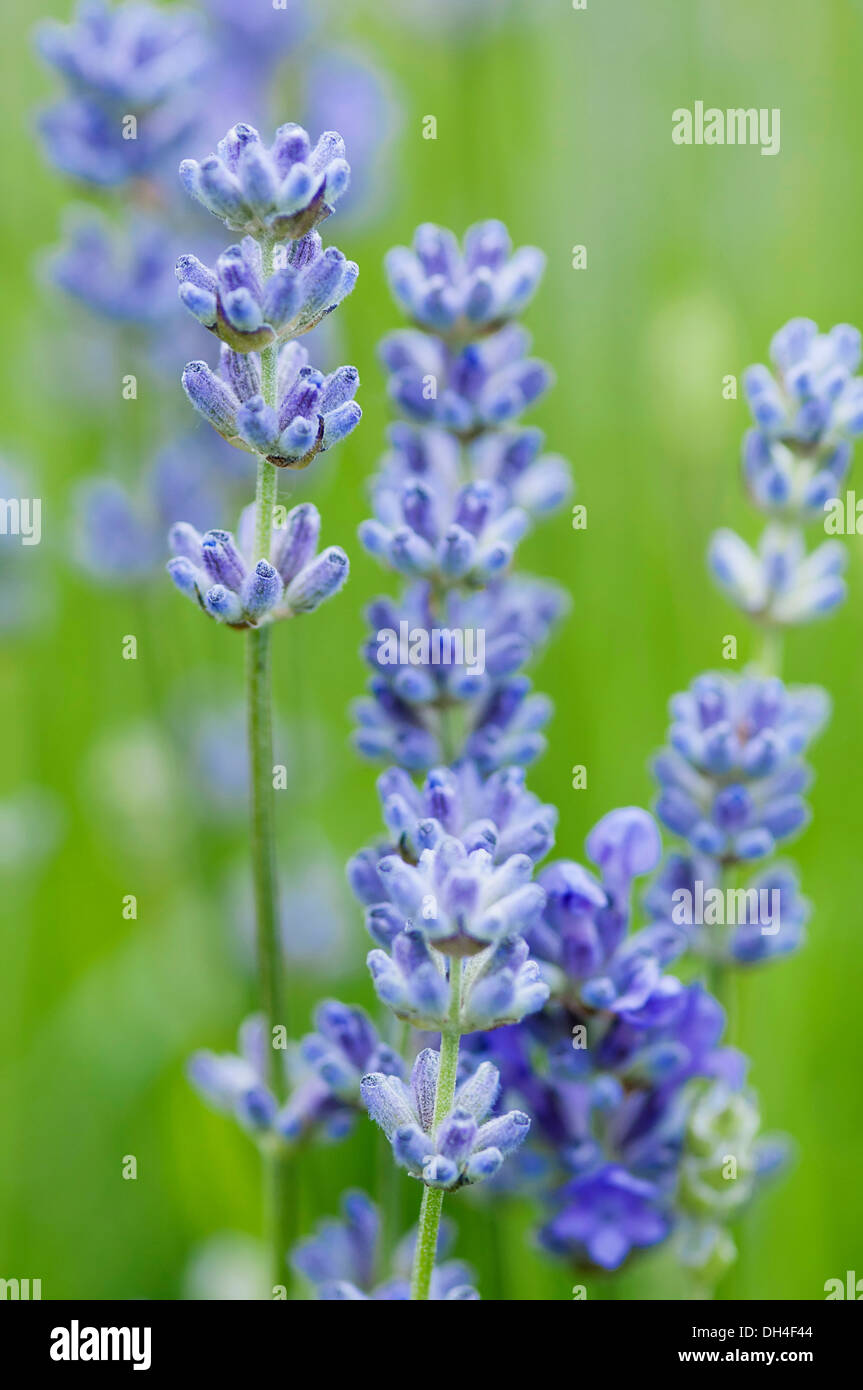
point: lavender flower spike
(268, 400)
(134, 61)
(733, 776)
(795, 460)
(450, 291)
(276, 193)
(461, 1149)
(322, 1076)
(342, 1260)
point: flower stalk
(432, 1199)
(268, 400)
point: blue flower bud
(282, 297)
(295, 544)
(261, 590)
(210, 397)
(339, 423)
(223, 604)
(318, 580)
(222, 560)
(258, 424)
(190, 580)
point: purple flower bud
(295, 544)
(261, 590)
(190, 580)
(258, 424)
(210, 397)
(318, 580)
(223, 604)
(222, 560)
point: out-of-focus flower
(733, 776)
(487, 384)
(432, 494)
(456, 291)
(795, 461)
(605, 1215)
(814, 400)
(119, 534)
(779, 583)
(130, 73)
(122, 273)
(788, 484)
(112, 539)
(768, 913)
(420, 529)
(342, 1260)
(345, 90)
(322, 1075)
(260, 34)
(328, 1068)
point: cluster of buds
(464, 1147)
(221, 576)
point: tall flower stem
(278, 1199)
(770, 656)
(270, 981)
(432, 1201)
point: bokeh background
(115, 775)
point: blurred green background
(559, 123)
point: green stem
(432, 1201)
(263, 837)
(770, 657)
(279, 1194)
(280, 1211)
(277, 1199)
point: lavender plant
(733, 776)
(536, 987)
(450, 897)
(273, 570)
